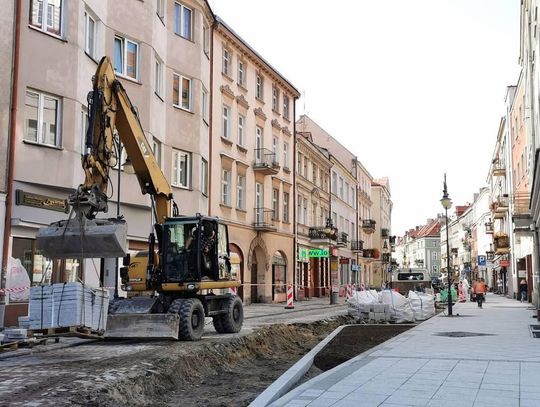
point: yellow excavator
(185, 274)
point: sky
(414, 88)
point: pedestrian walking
(465, 284)
(479, 291)
(499, 286)
(523, 290)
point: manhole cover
(460, 334)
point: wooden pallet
(9, 346)
(27, 343)
(79, 331)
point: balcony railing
(499, 169)
(318, 234)
(263, 219)
(489, 228)
(265, 161)
(342, 239)
(371, 253)
(357, 245)
(368, 225)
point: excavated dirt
(234, 371)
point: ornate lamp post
(329, 231)
(446, 202)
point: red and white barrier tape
(13, 290)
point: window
(156, 149)
(204, 112)
(126, 57)
(285, 154)
(226, 63)
(241, 121)
(158, 79)
(285, 206)
(334, 182)
(275, 99)
(299, 164)
(259, 87)
(286, 107)
(226, 122)
(275, 204)
(305, 210)
(305, 173)
(259, 142)
(89, 34)
(226, 187)
(204, 176)
(241, 192)
(314, 214)
(346, 198)
(241, 73)
(299, 209)
(341, 187)
(42, 118)
(160, 8)
(181, 92)
(183, 21)
(52, 9)
(314, 172)
(275, 148)
(181, 169)
(206, 39)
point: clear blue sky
(414, 88)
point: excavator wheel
(218, 324)
(191, 312)
(232, 320)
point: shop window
(279, 273)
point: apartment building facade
(314, 240)
(381, 211)
(251, 183)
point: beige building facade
(382, 214)
(252, 164)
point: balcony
(264, 220)
(342, 239)
(499, 207)
(319, 234)
(368, 225)
(521, 202)
(498, 169)
(357, 245)
(265, 162)
(489, 228)
(371, 253)
(385, 232)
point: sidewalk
(490, 359)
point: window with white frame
(226, 122)
(275, 99)
(275, 148)
(183, 21)
(181, 176)
(346, 197)
(160, 8)
(300, 157)
(126, 57)
(241, 123)
(47, 15)
(305, 210)
(181, 92)
(204, 177)
(206, 39)
(299, 212)
(314, 172)
(204, 107)
(241, 72)
(156, 149)
(241, 192)
(334, 183)
(286, 107)
(90, 29)
(226, 62)
(158, 77)
(275, 204)
(285, 206)
(43, 115)
(340, 187)
(226, 187)
(285, 154)
(259, 86)
(305, 173)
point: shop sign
(354, 267)
(41, 201)
(504, 263)
(344, 260)
(318, 253)
(302, 254)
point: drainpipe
(295, 226)
(210, 117)
(11, 141)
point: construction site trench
(232, 370)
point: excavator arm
(111, 116)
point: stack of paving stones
(67, 304)
(14, 335)
(379, 312)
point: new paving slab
(479, 357)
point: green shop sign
(318, 253)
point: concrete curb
(288, 379)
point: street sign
(482, 260)
(354, 267)
(344, 260)
(318, 253)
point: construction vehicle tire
(191, 312)
(218, 324)
(234, 317)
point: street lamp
(446, 202)
(329, 231)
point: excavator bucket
(103, 238)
